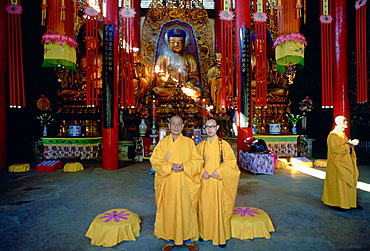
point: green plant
(255, 119)
(45, 119)
(293, 118)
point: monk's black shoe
(222, 245)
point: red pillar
(3, 82)
(110, 135)
(242, 20)
(340, 61)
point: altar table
(82, 148)
(293, 144)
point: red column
(340, 61)
(110, 135)
(242, 20)
(3, 81)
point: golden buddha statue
(175, 68)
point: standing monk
(341, 172)
(220, 178)
(177, 182)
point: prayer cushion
(22, 167)
(114, 226)
(249, 223)
(281, 163)
(320, 162)
(73, 167)
(301, 161)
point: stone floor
(53, 210)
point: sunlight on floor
(321, 175)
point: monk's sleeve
(193, 166)
(229, 174)
(159, 159)
(339, 151)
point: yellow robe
(176, 193)
(217, 195)
(341, 173)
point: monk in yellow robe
(220, 178)
(341, 172)
(177, 182)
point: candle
(154, 109)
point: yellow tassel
(43, 12)
(63, 11)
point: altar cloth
(73, 167)
(114, 226)
(250, 223)
(22, 167)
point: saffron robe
(217, 195)
(176, 193)
(341, 173)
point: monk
(220, 178)
(341, 172)
(177, 182)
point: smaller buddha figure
(141, 82)
(215, 81)
(175, 67)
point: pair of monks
(195, 187)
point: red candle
(154, 109)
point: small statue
(215, 81)
(141, 82)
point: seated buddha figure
(176, 68)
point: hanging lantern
(59, 44)
(289, 51)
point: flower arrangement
(306, 105)
(127, 12)
(259, 17)
(46, 119)
(326, 19)
(226, 15)
(293, 118)
(255, 119)
(294, 36)
(142, 111)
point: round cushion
(250, 222)
(114, 226)
(22, 167)
(73, 167)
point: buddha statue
(176, 68)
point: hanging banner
(108, 75)
(245, 66)
(226, 5)
(127, 4)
